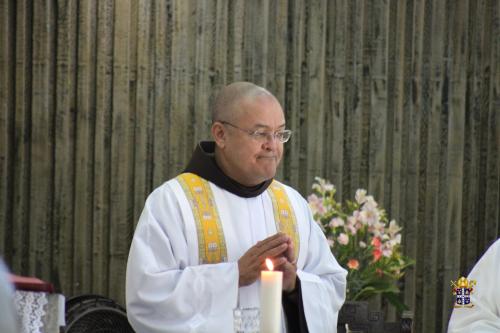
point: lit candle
(270, 299)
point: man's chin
(268, 174)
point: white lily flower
(343, 239)
(336, 222)
(393, 227)
(360, 196)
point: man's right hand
(253, 261)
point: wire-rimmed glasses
(262, 135)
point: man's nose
(271, 142)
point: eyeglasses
(263, 136)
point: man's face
(251, 160)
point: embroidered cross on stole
(211, 243)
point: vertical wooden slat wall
(102, 101)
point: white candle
(270, 299)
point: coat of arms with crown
(463, 289)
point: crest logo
(463, 289)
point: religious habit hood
(203, 164)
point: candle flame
(269, 264)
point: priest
(482, 315)
(203, 237)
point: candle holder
(246, 320)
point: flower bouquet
(363, 241)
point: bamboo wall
(102, 101)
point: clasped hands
(278, 248)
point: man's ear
(219, 134)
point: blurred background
(102, 101)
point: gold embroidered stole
(211, 243)
(284, 215)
